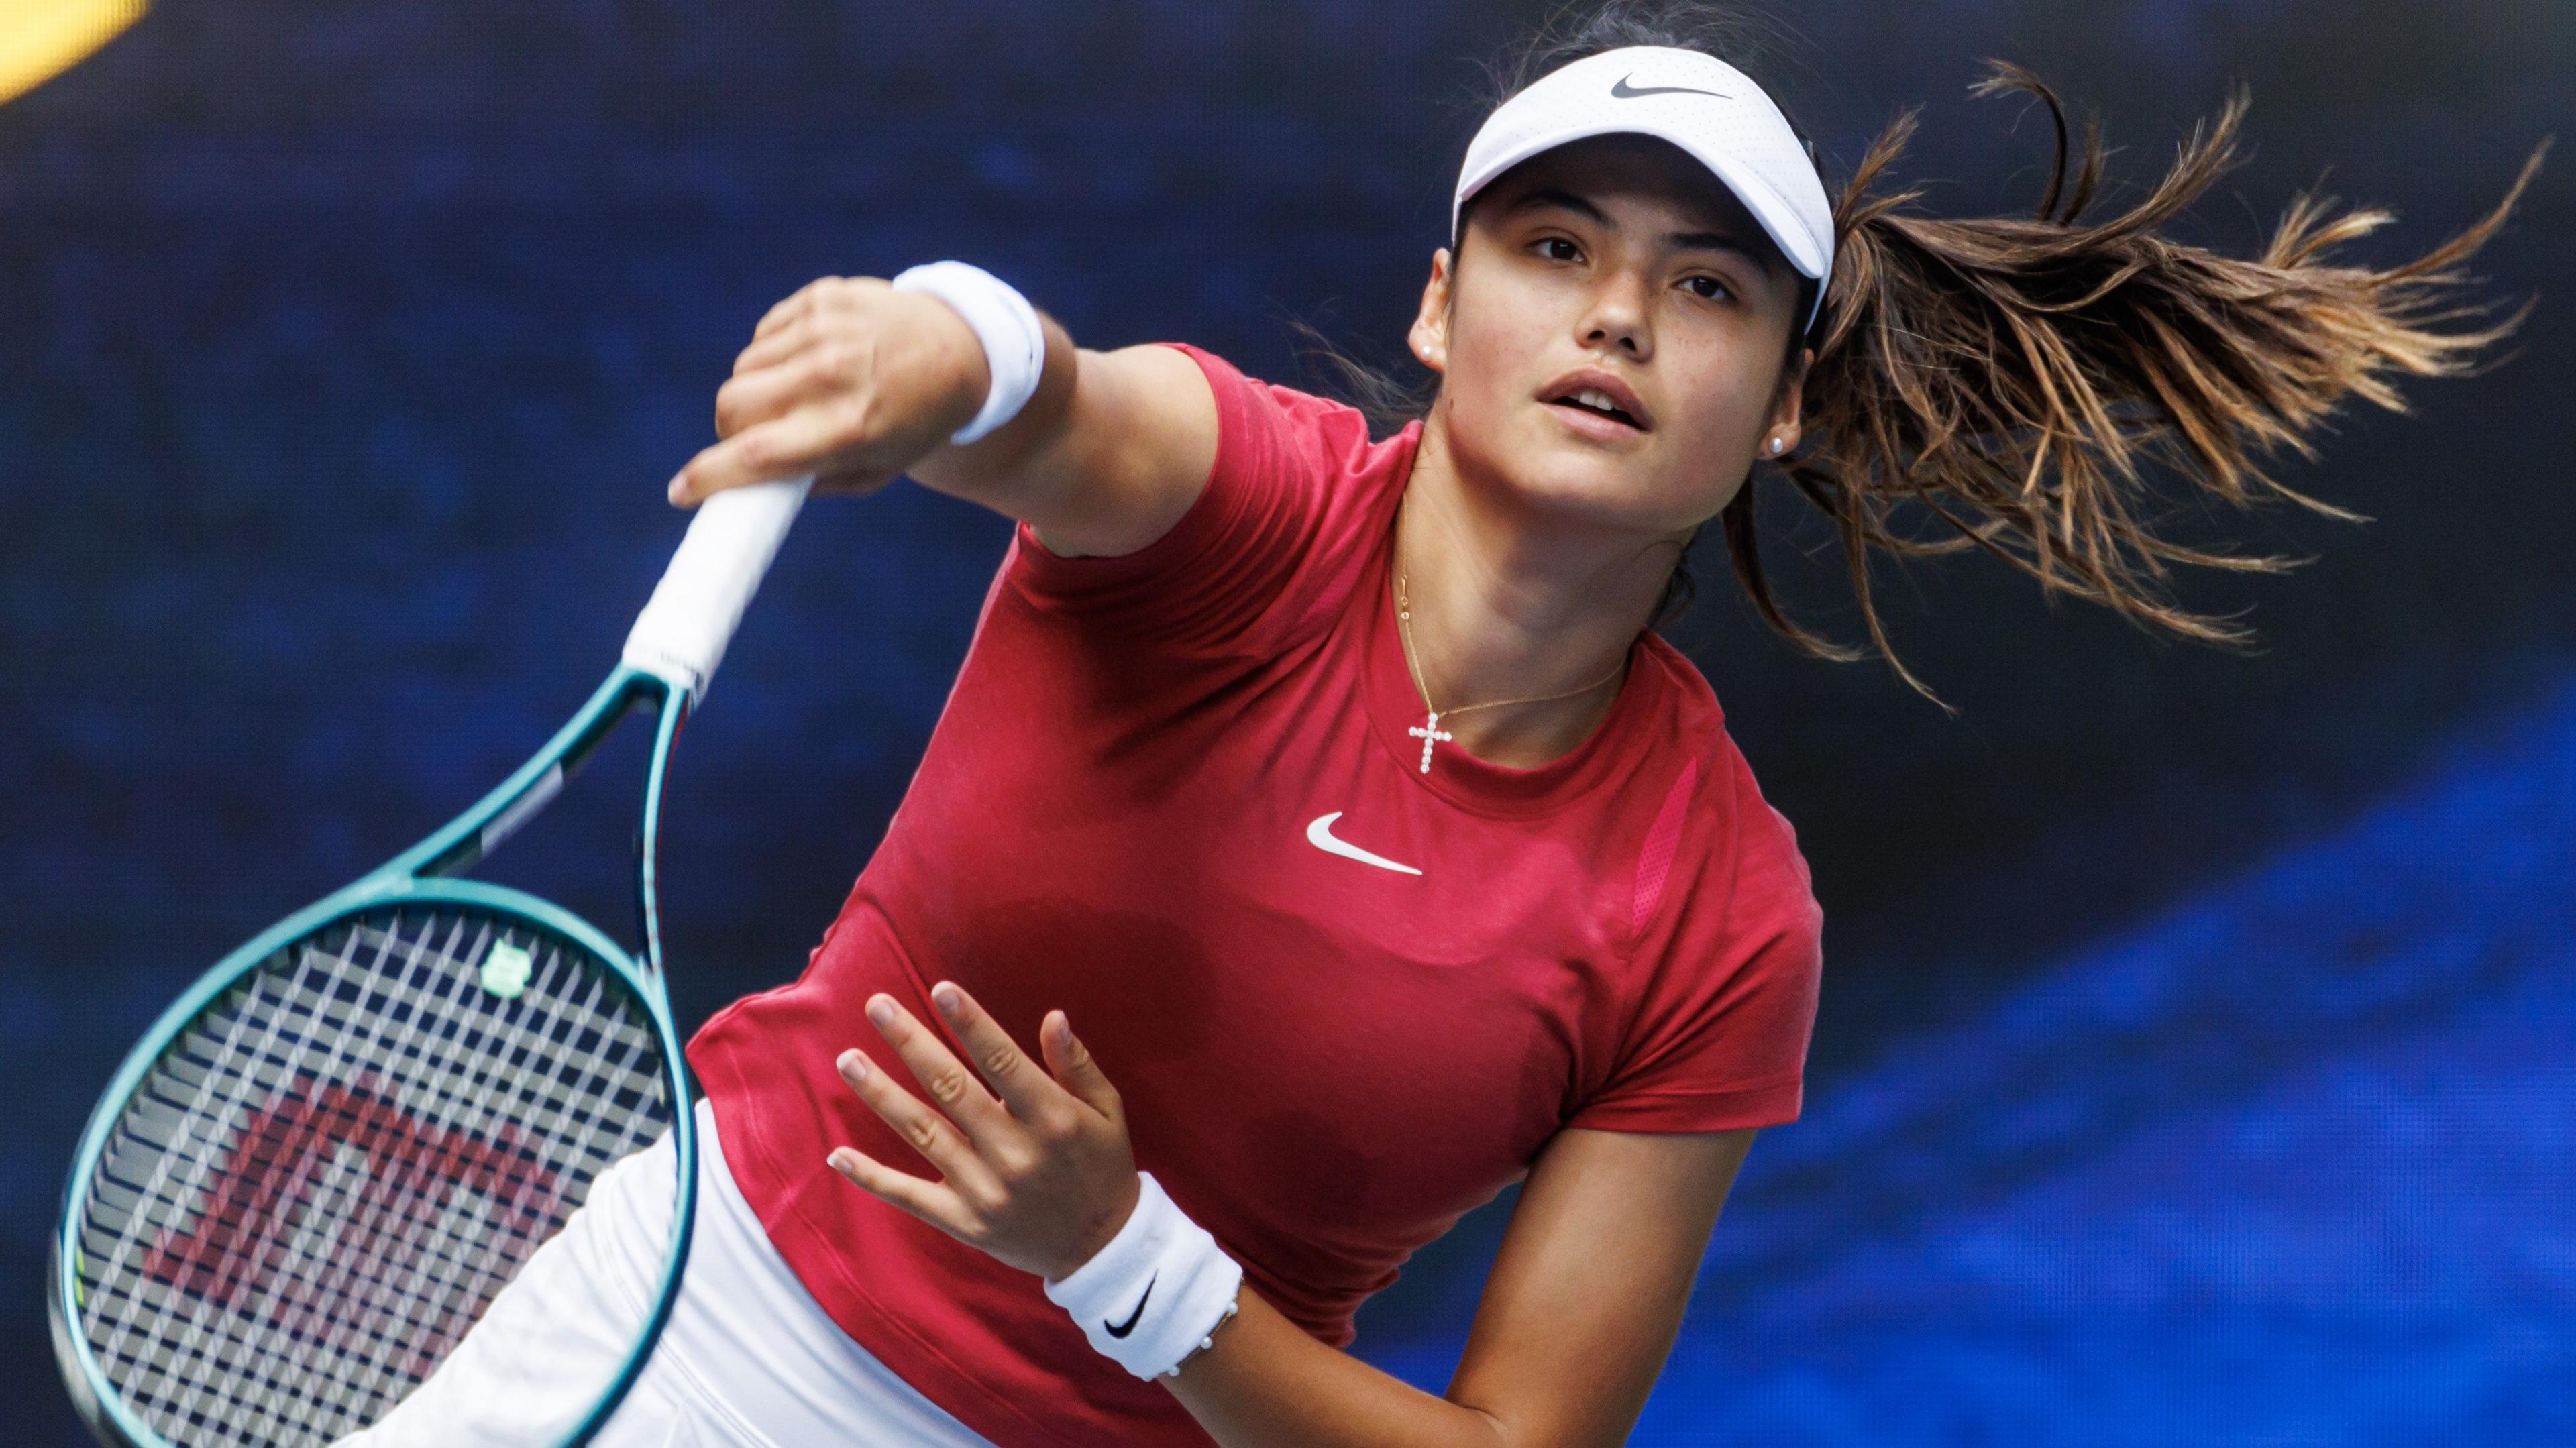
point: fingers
(848, 380)
(768, 392)
(1028, 1190)
(931, 1202)
(799, 304)
(1023, 1088)
(949, 1084)
(935, 1136)
(816, 300)
(1072, 1063)
(783, 447)
(778, 344)
(794, 401)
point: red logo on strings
(259, 1201)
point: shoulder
(1719, 854)
(1295, 496)
(1266, 424)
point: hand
(1037, 1172)
(849, 380)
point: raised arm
(859, 384)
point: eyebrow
(1718, 241)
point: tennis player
(1319, 838)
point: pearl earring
(1776, 446)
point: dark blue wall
(2186, 1071)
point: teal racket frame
(426, 872)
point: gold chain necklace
(1429, 730)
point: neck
(1512, 602)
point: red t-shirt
(1325, 1060)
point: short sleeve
(1275, 538)
(1718, 1041)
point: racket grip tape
(681, 635)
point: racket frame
(427, 872)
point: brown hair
(2022, 378)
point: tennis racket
(324, 1161)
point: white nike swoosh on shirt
(1320, 835)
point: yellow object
(40, 39)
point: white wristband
(1154, 1294)
(1014, 340)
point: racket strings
(327, 1195)
(344, 1197)
(366, 1213)
(331, 1198)
(322, 1183)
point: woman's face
(1619, 270)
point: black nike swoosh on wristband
(1626, 92)
(1124, 1328)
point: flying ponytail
(2027, 385)
(2024, 381)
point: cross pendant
(1430, 733)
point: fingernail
(854, 1065)
(679, 487)
(843, 1160)
(946, 995)
(881, 1011)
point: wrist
(1208, 1339)
(1102, 1231)
(1008, 333)
(1155, 1291)
(950, 350)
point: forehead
(1618, 173)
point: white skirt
(748, 1359)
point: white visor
(1713, 111)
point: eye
(1558, 248)
(1706, 288)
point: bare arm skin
(1578, 1316)
(858, 383)
(1577, 1319)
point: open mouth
(1597, 403)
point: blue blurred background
(2196, 1056)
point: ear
(1430, 334)
(1786, 424)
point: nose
(1620, 316)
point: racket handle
(681, 635)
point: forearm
(1002, 470)
(1568, 1339)
(1104, 459)
(858, 381)
(1266, 1384)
